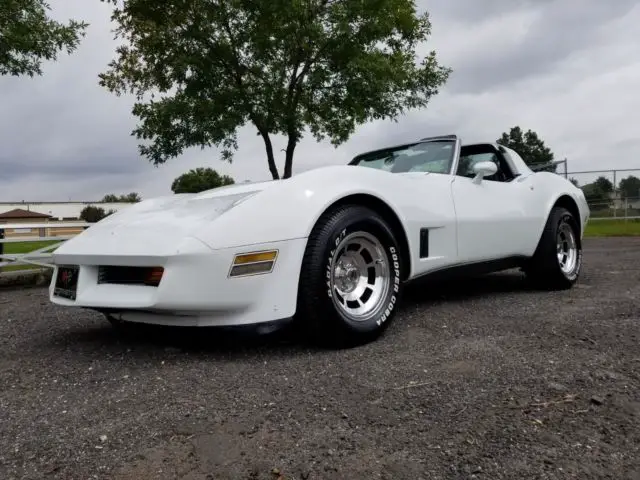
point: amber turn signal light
(154, 276)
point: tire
(329, 278)
(548, 269)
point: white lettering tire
(351, 277)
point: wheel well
(569, 203)
(387, 213)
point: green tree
(110, 198)
(598, 192)
(201, 69)
(198, 180)
(529, 146)
(630, 187)
(132, 197)
(604, 185)
(92, 214)
(28, 36)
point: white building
(60, 210)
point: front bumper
(195, 288)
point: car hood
(181, 211)
(157, 226)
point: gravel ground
(476, 379)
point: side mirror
(483, 169)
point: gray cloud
(475, 12)
(553, 31)
(80, 166)
(569, 73)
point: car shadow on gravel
(149, 340)
(281, 340)
(450, 289)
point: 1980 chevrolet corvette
(331, 247)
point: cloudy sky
(568, 69)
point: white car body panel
(195, 290)
(196, 236)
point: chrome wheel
(566, 248)
(359, 276)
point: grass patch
(20, 248)
(25, 247)
(612, 228)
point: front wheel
(557, 261)
(350, 281)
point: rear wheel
(557, 262)
(350, 278)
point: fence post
(1, 243)
(615, 198)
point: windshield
(432, 156)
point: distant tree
(630, 187)
(198, 180)
(529, 146)
(202, 69)
(128, 198)
(110, 198)
(604, 185)
(132, 197)
(28, 36)
(574, 181)
(92, 214)
(595, 195)
(598, 193)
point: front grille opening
(149, 276)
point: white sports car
(331, 247)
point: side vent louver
(424, 242)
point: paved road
(481, 379)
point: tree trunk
(288, 159)
(270, 158)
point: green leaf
(28, 37)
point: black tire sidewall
(352, 221)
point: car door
(492, 220)
(423, 195)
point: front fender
(290, 209)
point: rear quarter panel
(550, 187)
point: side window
(470, 156)
(465, 167)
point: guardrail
(39, 256)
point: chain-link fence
(610, 193)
